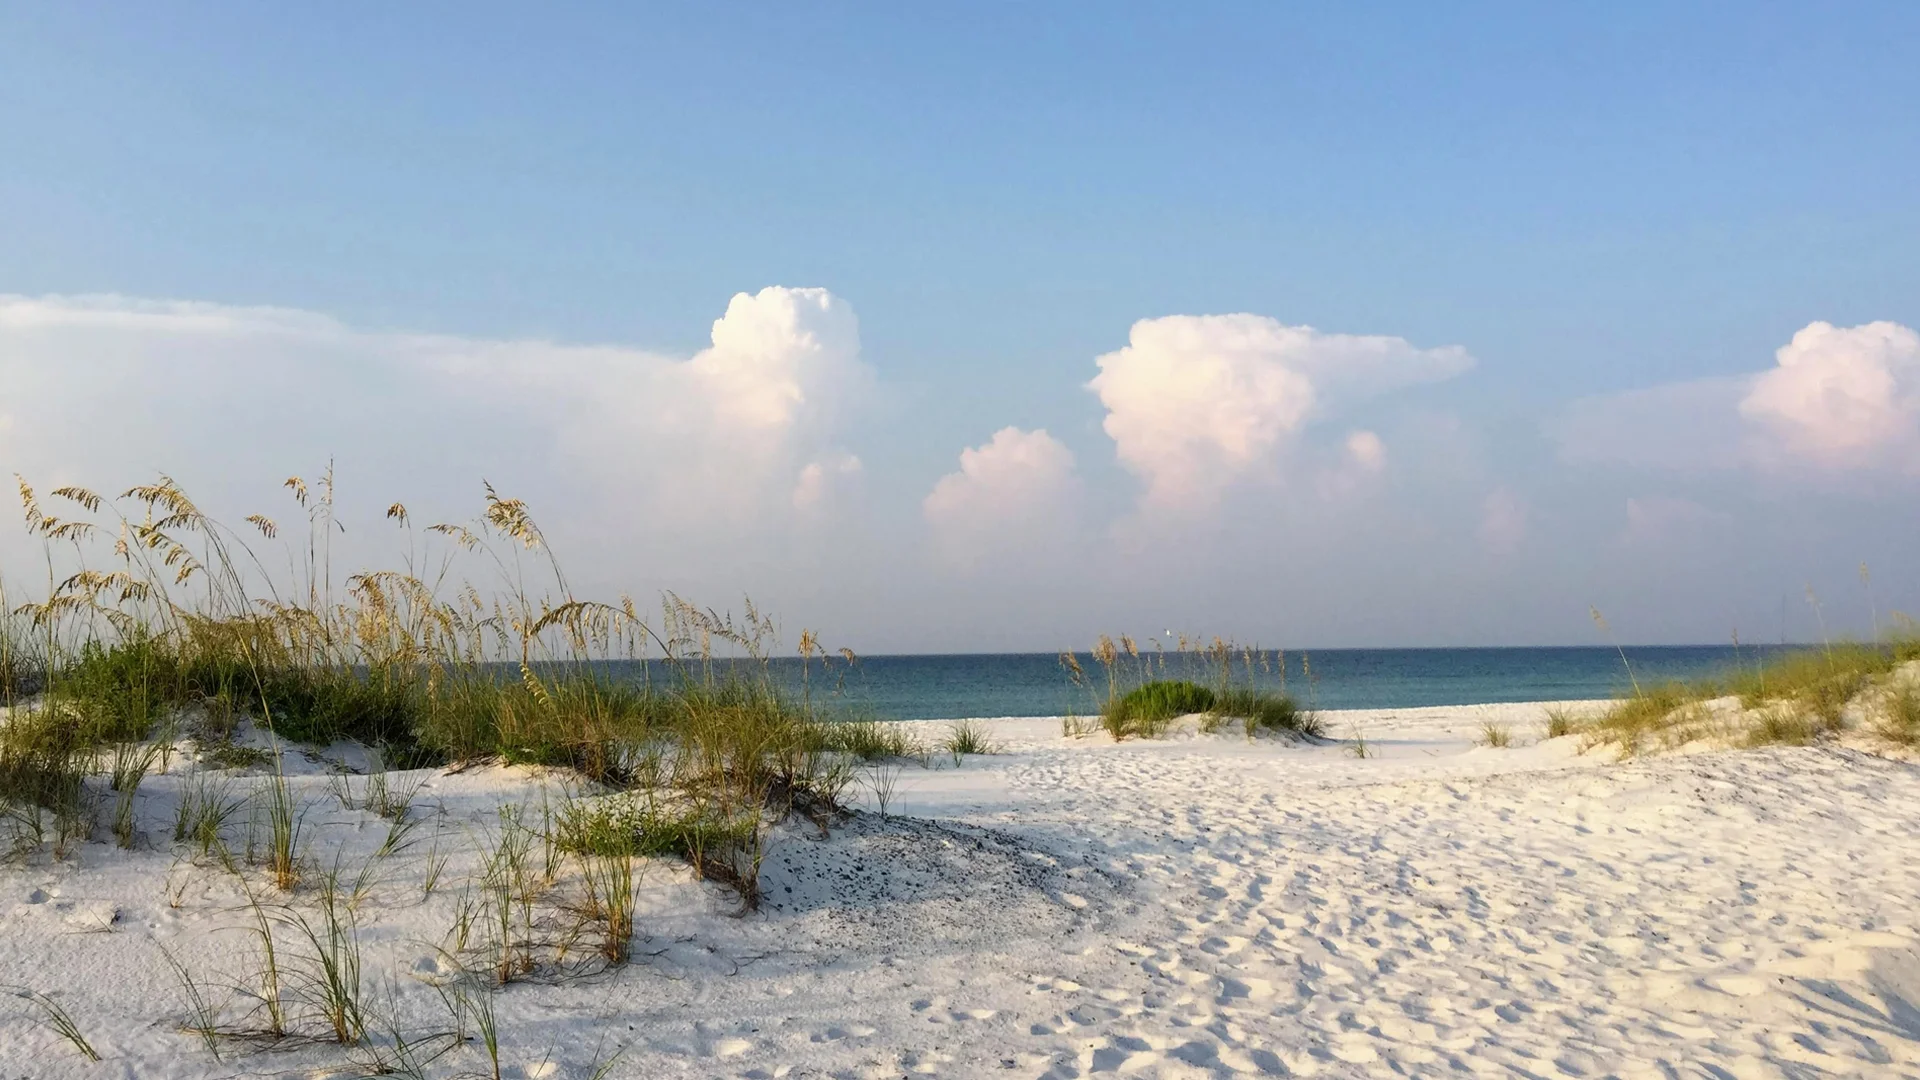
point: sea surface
(1039, 684)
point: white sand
(1200, 906)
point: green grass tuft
(1263, 711)
(1146, 710)
(967, 737)
(869, 740)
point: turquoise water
(1035, 684)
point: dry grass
(1897, 718)
(1792, 699)
(1495, 735)
(1659, 717)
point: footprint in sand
(1247, 989)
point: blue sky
(1588, 202)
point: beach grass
(1262, 710)
(968, 737)
(1148, 709)
(57, 1019)
(1791, 698)
(1213, 680)
(1897, 718)
(157, 618)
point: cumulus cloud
(1837, 398)
(1195, 403)
(1362, 457)
(1366, 451)
(1013, 492)
(1843, 397)
(821, 480)
(108, 389)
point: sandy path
(1194, 907)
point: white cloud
(1196, 402)
(1503, 521)
(1016, 491)
(1837, 399)
(108, 390)
(1362, 458)
(1843, 397)
(820, 480)
(1367, 451)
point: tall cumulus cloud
(101, 390)
(1197, 402)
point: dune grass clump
(869, 740)
(718, 846)
(609, 881)
(1497, 736)
(627, 825)
(1898, 716)
(1819, 682)
(44, 762)
(206, 809)
(158, 618)
(1782, 724)
(1148, 709)
(1146, 689)
(1793, 698)
(1661, 716)
(1265, 711)
(966, 737)
(1561, 722)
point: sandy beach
(1194, 906)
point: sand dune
(1199, 906)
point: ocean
(1036, 684)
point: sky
(944, 327)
